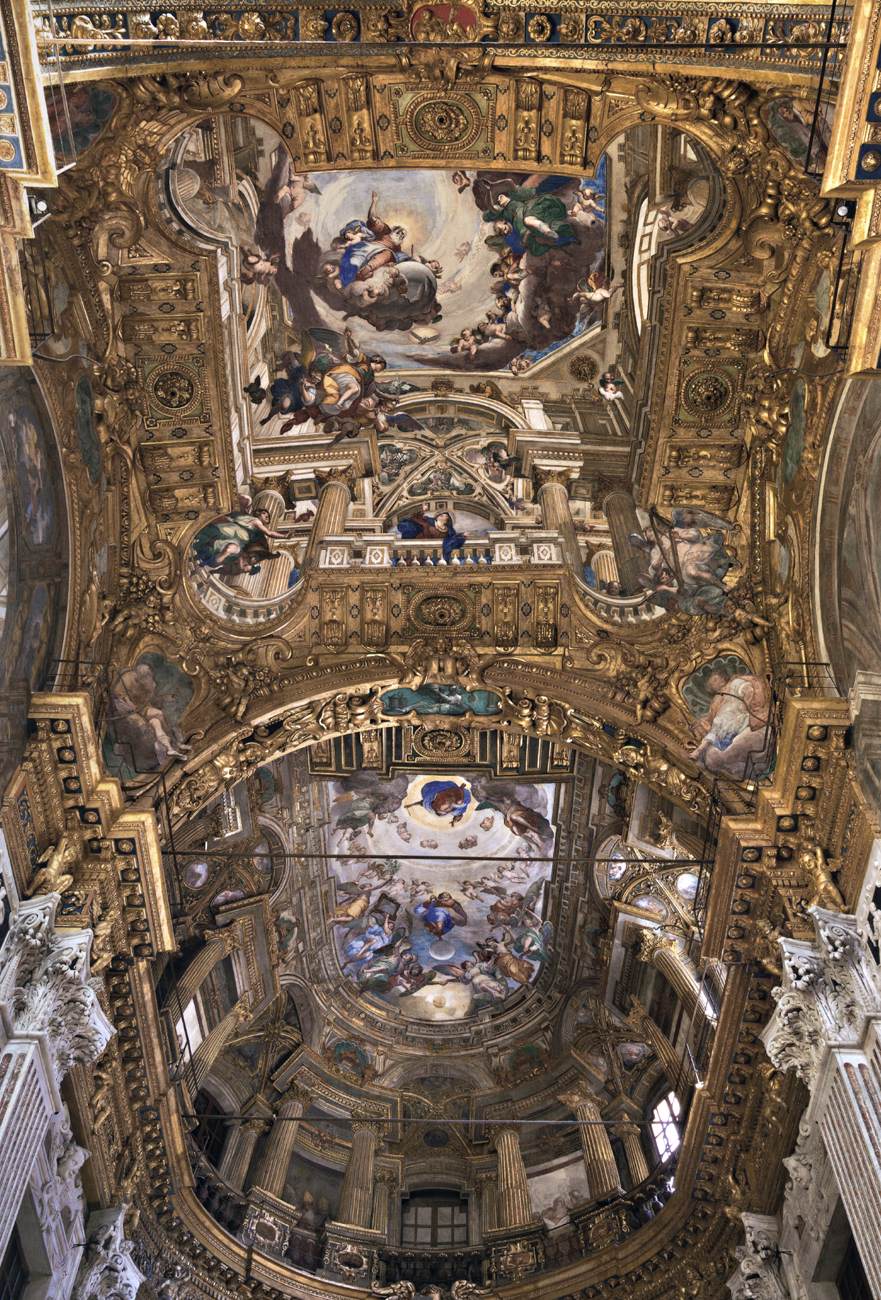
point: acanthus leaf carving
(52, 997)
(826, 996)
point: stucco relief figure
(733, 735)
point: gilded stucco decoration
(437, 742)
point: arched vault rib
(338, 699)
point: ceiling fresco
(460, 926)
(425, 268)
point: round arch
(328, 700)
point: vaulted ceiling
(440, 429)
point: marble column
(199, 968)
(214, 1042)
(52, 1021)
(826, 1026)
(239, 1151)
(385, 1200)
(272, 1169)
(512, 1201)
(660, 1044)
(356, 1197)
(556, 513)
(603, 1179)
(333, 507)
(637, 1164)
(663, 953)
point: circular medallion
(173, 388)
(539, 28)
(438, 742)
(446, 611)
(584, 369)
(707, 392)
(344, 27)
(7, 151)
(443, 123)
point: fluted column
(660, 1044)
(272, 1170)
(663, 952)
(197, 971)
(386, 1187)
(628, 1132)
(356, 1197)
(239, 1151)
(488, 1190)
(556, 513)
(620, 511)
(512, 1201)
(600, 1165)
(333, 507)
(214, 1042)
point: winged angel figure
(407, 1291)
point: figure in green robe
(527, 220)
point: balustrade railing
(387, 550)
(590, 1228)
(627, 610)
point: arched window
(665, 1126)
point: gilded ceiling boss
(440, 451)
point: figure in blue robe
(443, 799)
(427, 527)
(440, 913)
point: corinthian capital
(45, 976)
(363, 1122)
(652, 942)
(827, 996)
(758, 1275)
(576, 1097)
(107, 1270)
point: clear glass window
(665, 1125)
